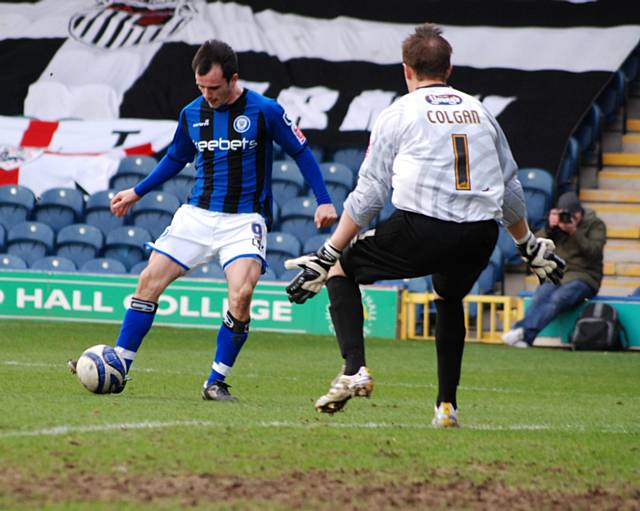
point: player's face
(215, 89)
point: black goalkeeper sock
(450, 333)
(348, 321)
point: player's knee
(150, 285)
(240, 300)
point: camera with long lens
(565, 217)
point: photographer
(579, 236)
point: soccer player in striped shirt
(448, 166)
(229, 130)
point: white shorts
(197, 236)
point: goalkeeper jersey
(441, 153)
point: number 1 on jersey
(461, 151)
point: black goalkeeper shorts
(408, 245)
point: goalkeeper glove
(315, 269)
(539, 254)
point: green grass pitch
(541, 429)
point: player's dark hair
(214, 52)
(427, 52)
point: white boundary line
(66, 429)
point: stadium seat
(351, 157)
(314, 243)
(538, 189)
(275, 214)
(297, 217)
(419, 285)
(286, 181)
(510, 253)
(181, 184)
(281, 246)
(3, 238)
(59, 207)
(287, 275)
(631, 65)
(131, 170)
(589, 133)
(569, 168)
(16, 204)
(269, 274)
(54, 263)
(339, 180)
(126, 244)
(137, 268)
(98, 212)
(79, 242)
(30, 241)
(613, 97)
(103, 265)
(139, 165)
(207, 271)
(154, 212)
(12, 262)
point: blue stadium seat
(181, 184)
(589, 133)
(613, 97)
(79, 242)
(3, 238)
(510, 253)
(59, 207)
(297, 217)
(286, 181)
(154, 212)
(139, 165)
(569, 167)
(207, 271)
(30, 241)
(12, 262)
(419, 285)
(287, 275)
(126, 244)
(314, 243)
(269, 274)
(275, 214)
(54, 263)
(98, 212)
(631, 65)
(339, 180)
(538, 186)
(351, 157)
(137, 268)
(103, 265)
(281, 246)
(16, 204)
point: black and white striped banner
(333, 65)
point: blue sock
(135, 325)
(231, 337)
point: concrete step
(622, 251)
(611, 286)
(609, 195)
(623, 232)
(633, 125)
(621, 159)
(631, 143)
(622, 269)
(619, 179)
(622, 215)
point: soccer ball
(101, 370)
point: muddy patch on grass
(313, 490)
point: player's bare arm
(122, 201)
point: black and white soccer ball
(101, 370)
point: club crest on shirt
(241, 124)
(113, 24)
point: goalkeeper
(451, 175)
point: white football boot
(446, 416)
(343, 388)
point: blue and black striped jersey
(233, 149)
